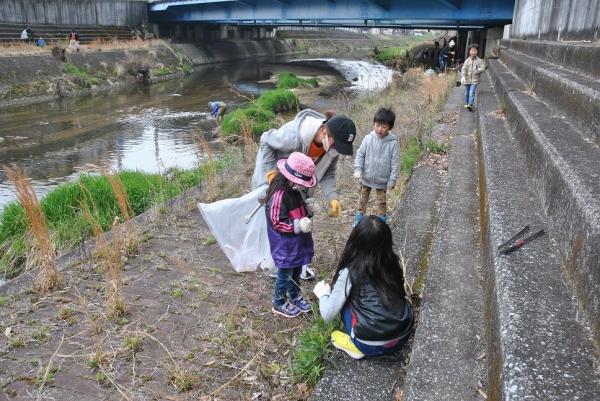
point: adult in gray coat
(323, 137)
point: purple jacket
(288, 249)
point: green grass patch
(387, 54)
(259, 115)
(187, 68)
(82, 77)
(62, 207)
(414, 148)
(288, 80)
(312, 350)
(278, 100)
(162, 71)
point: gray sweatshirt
(377, 161)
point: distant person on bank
(74, 41)
(447, 55)
(322, 137)
(471, 70)
(217, 110)
(368, 293)
(27, 35)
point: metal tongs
(514, 243)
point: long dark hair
(369, 256)
(278, 182)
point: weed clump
(42, 250)
(288, 80)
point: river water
(146, 128)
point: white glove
(357, 174)
(312, 205)
(305, 225)
(297, 229)
(322, 288)
(463, 80)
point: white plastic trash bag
(245, 245)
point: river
(147, 128)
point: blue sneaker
(301, 304)
(357, 218)
(286, 310)
(384, 218)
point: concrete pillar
(492, 39)
(236, 32)
(262, 32)
(223, 32)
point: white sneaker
(307, 273)
(272, 272)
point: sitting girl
(289, 230)
(368, 292)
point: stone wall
(74, 12)
(556, 20)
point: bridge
(450, 14)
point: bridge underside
(452, 14)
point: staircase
(523, 326)
(53, 33)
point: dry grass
(100, 44)
(42, 248)
(110, 255)
(132, 242)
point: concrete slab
(415, 218)
(580, 57)
(538, 346)
(444, 362)
(565, 175)
(575, 95)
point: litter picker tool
(249, 217)
(514, 244)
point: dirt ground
(192, 323)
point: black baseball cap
(344, 131)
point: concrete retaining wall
(74, 12)
(556, 20)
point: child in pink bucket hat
(289, 231)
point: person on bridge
(368, 293)
(322, 137)
(217, 110)
(471, 70)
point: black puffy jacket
(373, 321)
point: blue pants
(470, 93)
(368, 350)
(442, 62)
(287, 285)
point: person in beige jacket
(471, 70)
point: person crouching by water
(289, 230)
(368, 292)
(217, 110)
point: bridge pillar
(223, 32)
(492, 38)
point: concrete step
(579, 57)
(565, 176)
(376, 379)
(444, 363)
(575, 95)
(538, 347)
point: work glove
(335, 208)
(462, 80)
(305, 225)
(297, 229)
(321, 289)
(312, 206)
(270, 175)
(357, 174)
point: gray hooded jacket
(279, 143)
(377, 160)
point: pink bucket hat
(299, 169)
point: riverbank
(54, 74)
(193, 326)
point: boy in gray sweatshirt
(376, 164)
